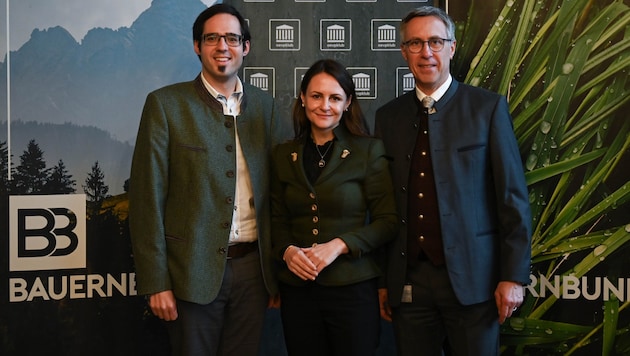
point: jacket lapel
(341, 151)
(295, 159)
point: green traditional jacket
(352, 199)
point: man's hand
(508, 296)
(163, 305)
(274, 302)
(386, 310)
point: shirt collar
(439, 93)
(238, 91)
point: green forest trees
(4, 169)
(32, 176)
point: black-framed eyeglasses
(212, 39)
(435, 44)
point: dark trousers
(435, 317)
(232, 323)
(331, 321)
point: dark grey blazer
(482, 195)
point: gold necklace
(322, 161)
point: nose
(325, 105)
(222, 42)
(426, 50)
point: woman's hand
(299, 264)
(322, 255)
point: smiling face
(430, 69)
(220, 63)
(324, 103)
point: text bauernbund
(71, 287)
(570, 287)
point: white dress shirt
(244, 218)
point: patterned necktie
(428, 102)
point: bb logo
(47, 232)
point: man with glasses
(457, 268)
(199, 202)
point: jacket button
(315, 232)
(229, 174)
(311, 195)
(315, 219)
(222, 250)
(229, 148)
(229, 124)
(314, 207)
(229, 200)
(225, 225)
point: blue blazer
(482, 195)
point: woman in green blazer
(332, 206)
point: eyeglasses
(212, 39)
(435, 44)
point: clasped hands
(308, 262)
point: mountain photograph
(96, 87)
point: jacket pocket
(191, 147)
(471, 147)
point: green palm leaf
(563, 64)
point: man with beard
(199, 199)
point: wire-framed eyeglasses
(435, 44)
(212, 39)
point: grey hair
(429, 11)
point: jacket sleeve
(147, 195)
(379, 194)
(280, 223)
(512, 197)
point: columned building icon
(335, 34)
(260, 80)
(386, 34)
(408, 82)
(285, 34)
(361, 82)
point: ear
(246, 46)
(403, 52)
(196, 45)
(453, 45)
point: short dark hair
(353, 119)
(216, 9)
